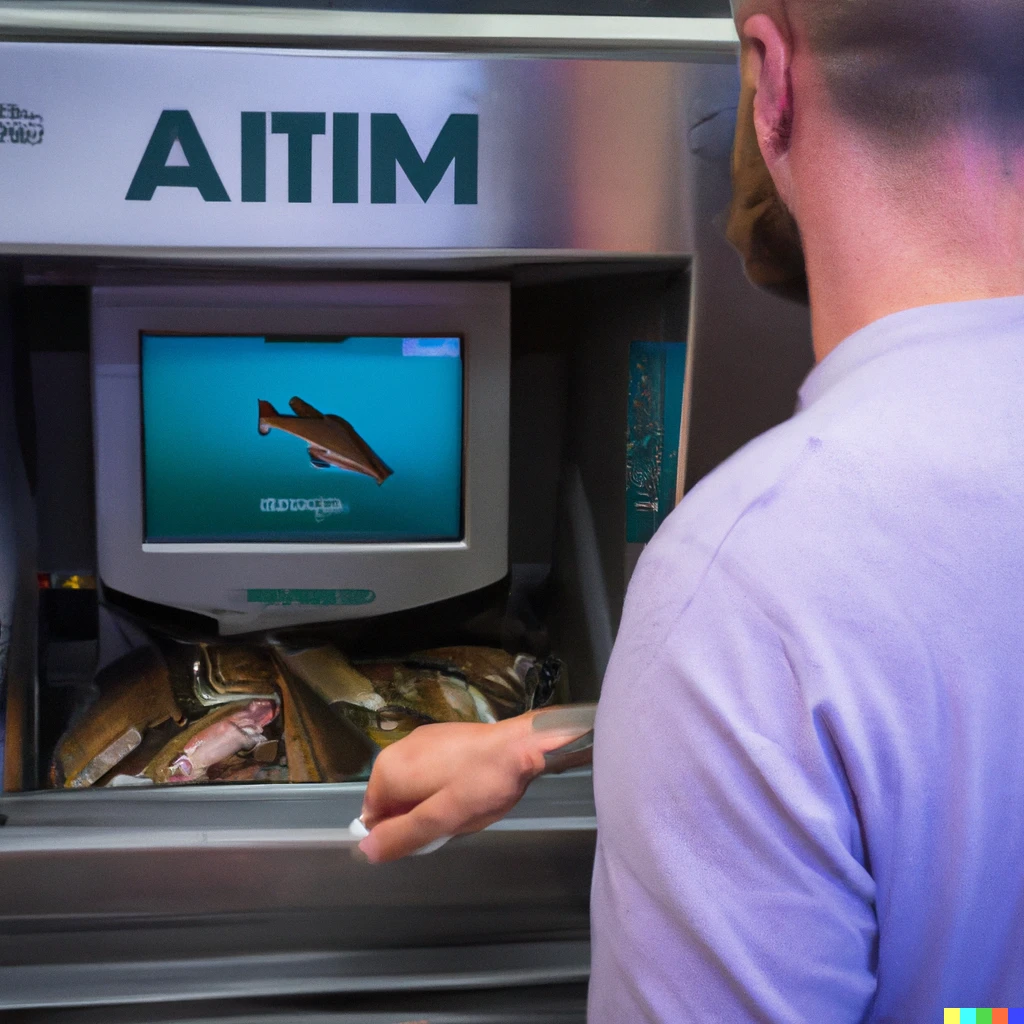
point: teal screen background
(207, 467)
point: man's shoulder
(891, 464)
(885, 451)
(764, 481)
(756, 477)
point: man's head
(897, 73)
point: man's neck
(879, 241)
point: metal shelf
(230, 24)
(227, 892)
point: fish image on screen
(371, 452)
(333, 441)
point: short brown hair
(907, 69)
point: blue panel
(657, 372)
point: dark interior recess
(570, 331)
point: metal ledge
(553, 801)
(106, 264)
(306, 973)
(81, 21)
(131, 896)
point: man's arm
(455, 778)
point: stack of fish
(193, 713)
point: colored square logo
(982, 1015)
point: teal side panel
(657, 373)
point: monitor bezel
(209, 577)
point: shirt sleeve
(730, 883)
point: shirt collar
(912, 326)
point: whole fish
(320, 745)
(206, 675)
(510, 683)
(331, 440)
(233, 733)
(330, 675)
(455, 684)
(136, 694)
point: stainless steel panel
(551, 1004)
(693, 37)
(224, 892)
(478, 966)
(575, 156)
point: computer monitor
(274, 455)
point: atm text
(391, 148)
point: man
(807, 759)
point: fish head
(394, 723)
(543, 681)
(181, 769)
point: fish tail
(266, 409)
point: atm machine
(348, 360)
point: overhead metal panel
(107, 147)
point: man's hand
(453, 778)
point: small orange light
(43, 579)
(74, 581)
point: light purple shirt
(809, 765)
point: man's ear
(767, 61)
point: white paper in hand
(359, 831)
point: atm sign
(390, 148)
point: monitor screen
(305, 439)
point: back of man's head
(906, 70)
(906, 73)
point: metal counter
(113, 897)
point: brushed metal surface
(694, 37)
(222, 892)
(478, 966)
(586, 157)
(549, 1004)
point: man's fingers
(404, 834)
(446, 779)
(414, 768)
(394, 786)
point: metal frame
(267, 880)
(52, 20)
